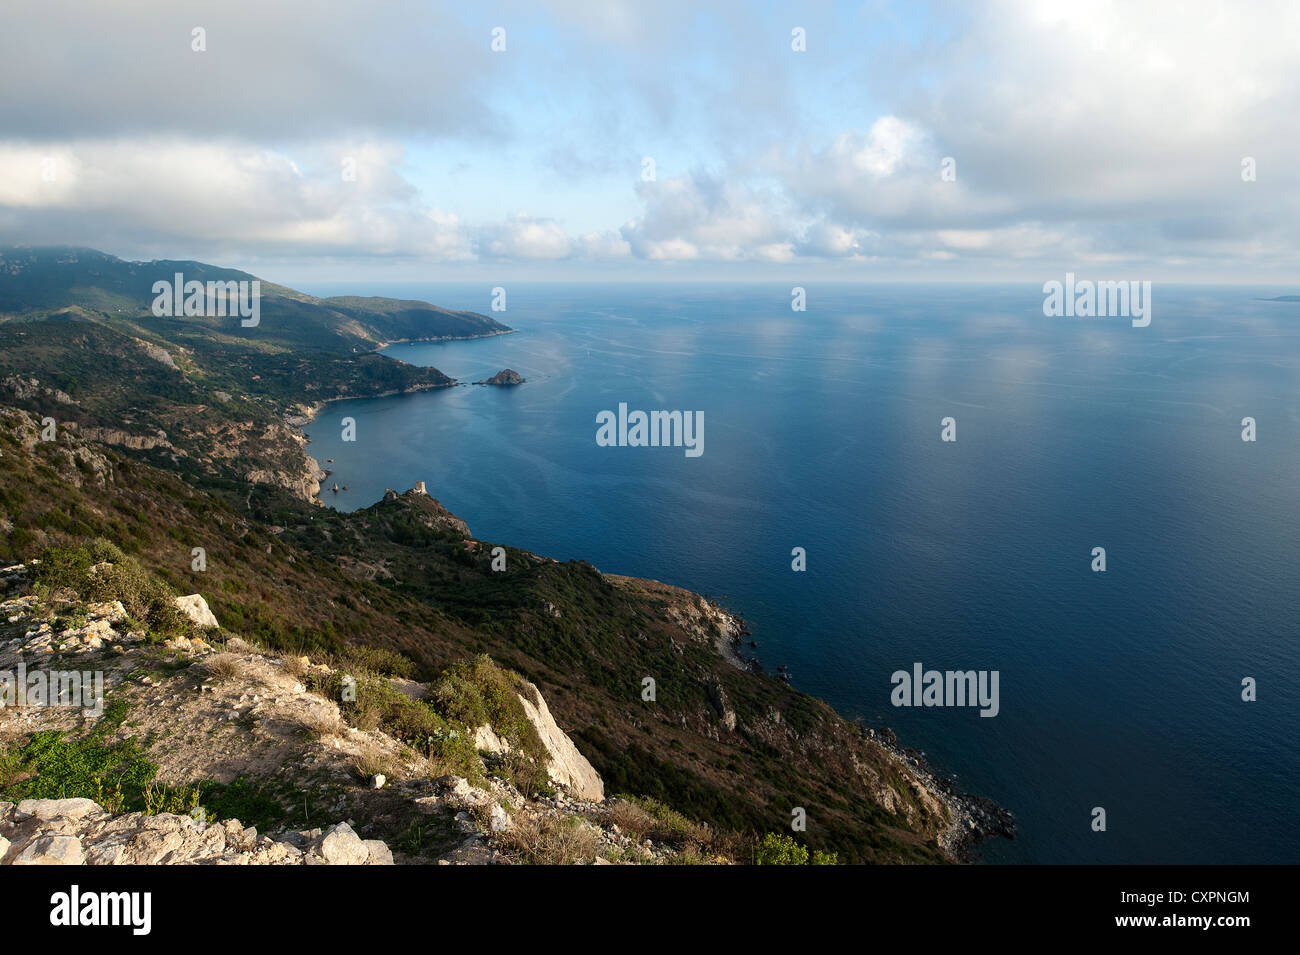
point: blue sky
(1104, 138)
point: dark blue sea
(1120, 690)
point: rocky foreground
(214, 709)
(80, 832)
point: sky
(314, 140)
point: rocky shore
(972, 818)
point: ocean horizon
(1119, 689)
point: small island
(504, 377)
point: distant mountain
(36, 279)
(79, 342)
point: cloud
(1078, 131)
(698, 215)
(524, 237)
(294, 68)
(222, 198)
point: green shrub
(101, 550)
(378, 705)
(477, 691)
(377, 660)
(63, 568)
(779, 849)
(20, 544)
(145, 598)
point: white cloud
(524, 237)
(702, 216)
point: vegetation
(81, 571)
(55, 765)
(780, 849)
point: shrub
(20, 544)
(378, 705)
(294, 666)
(64, 568)
(372, 760)
(181, 801)
(105, 550)
(477, 691)
(631, 819)
(546, 840)
(377, 660)
(320, 723)
(779, 849)
(145, 598)
(223, 667)
(651, 819)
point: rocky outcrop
(304, 483)
(80, 832)
(718, 697)
(506, 377)
(567, 766)
(429, 510)
(26, 389)
(124, 439)
(196, 608)
(159, 354)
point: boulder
(566, 766)
(49, 809)
(487, 741)
(52, 850)
(380, 854)
(196, 608)
(342, 846)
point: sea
(1163, 690)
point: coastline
(971, 818)
(444, 338)
(309, 412)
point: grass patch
(53, 765)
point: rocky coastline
(972, 818)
